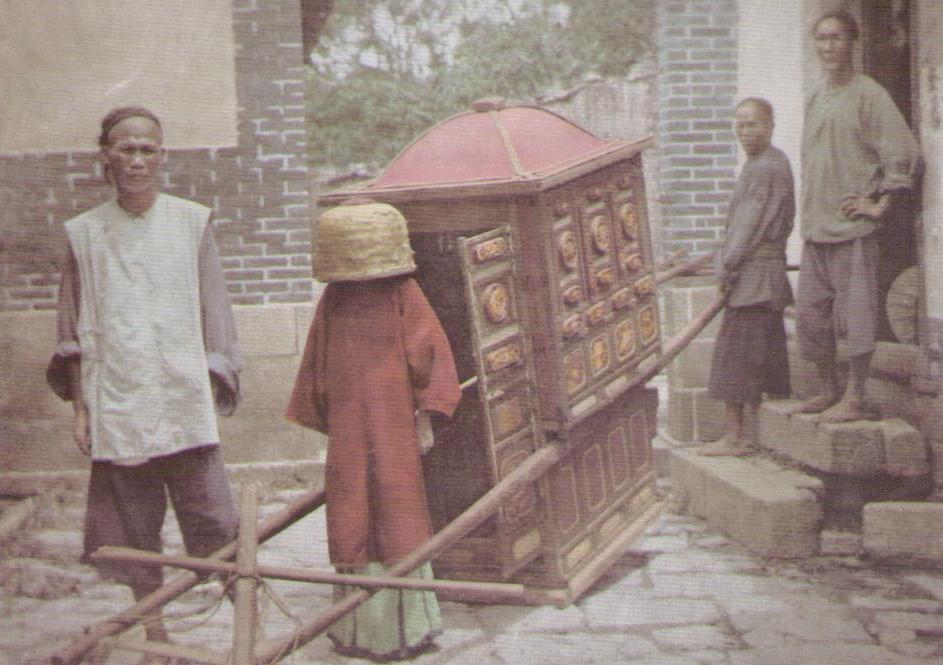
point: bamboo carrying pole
(670, 271)
(467, 591)
(73, 654)
(168, 650)
(244, 612)
(530, 470)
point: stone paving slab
(682, 595)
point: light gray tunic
(855, 141)
(154, 322)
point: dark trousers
(127, 504)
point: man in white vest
(148, 354)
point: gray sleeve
(223, 354)
(68, 349)
(895, 144)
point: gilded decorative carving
(602, 238)
(645, 287)
(632, 261)
(599, 354)
(508, 416)
(628, 219)
(496, 302)
(598, 313)
(573, 326)
(625, 339)
(574, 371)
(623, 298)
(568, 250)
(509, 355)
(647, 325)
(496, 248)
(604, 278)
(573, 295)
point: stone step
(904, 532)
(861, 448)
(773, 511)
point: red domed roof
(515, 147)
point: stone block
(688, 478)
(894, 360)
(27, 342)
(701, 298)
(692, 367)
(839, 543)
(681, 413)
(770, 510)
(904, 532)
(859, 448)
(936, 462)
(675, 311)
(267, 330)
(267, 382)
(268, 437)
(708, 417)
(905, 449)
(891, 399)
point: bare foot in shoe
(816, 404)
(726, 448)
(846, 411)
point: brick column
(697, 154)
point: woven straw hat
(361, 242)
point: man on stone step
(749, 356)
(858, 157)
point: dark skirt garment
(750, 355)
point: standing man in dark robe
(750, 351)
(858, 159)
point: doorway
(888, 47)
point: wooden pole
(671, 260)
(686, 268)
(168, 650)
(529, 471)
(679, 342)
(269, 527)
(244, 612)
(483, 592)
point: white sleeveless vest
(144, 372)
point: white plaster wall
(775, 71)
(930, 94)
(67, 62)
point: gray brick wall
(258, 190)
(697, 84)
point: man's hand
(80, 431)
(856, 206)
(424, 432)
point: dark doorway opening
(887, 50)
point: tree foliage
(385, 70)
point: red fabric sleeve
(307, 404)
(428, 354)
